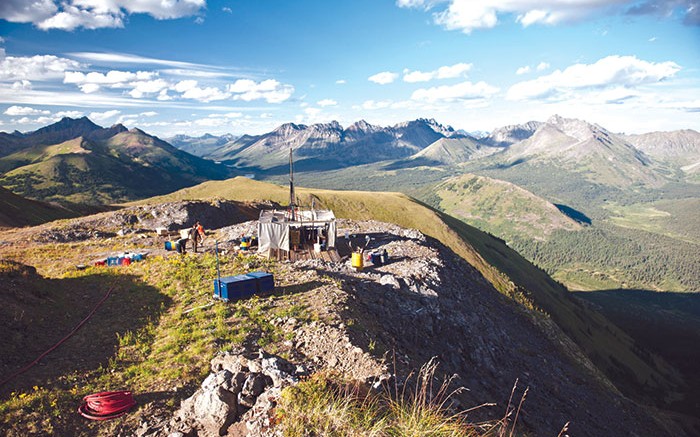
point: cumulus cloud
(326, 102)
(269, 90)
(24, 110)
(444, 72)
(139, 84)
(341, 81)
(190, 89)
(39, 67)
(102, 116)
(93, 14)
(22, 85)
(608, 72)
(469, 15)
(526, 69)
(450, 93)
(70, 114)
(383, 78)
(22, 11)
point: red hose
(106, 405)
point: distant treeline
(642, 259)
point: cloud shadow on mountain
(573, 214)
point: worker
(194, 237)
(181, 246)
(200, 230)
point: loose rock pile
(240, 391)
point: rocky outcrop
(240, 392)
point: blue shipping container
(265, 281)
(235, 287)
(242, 286)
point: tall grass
(326, 405)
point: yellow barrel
(357, 260)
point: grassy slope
(607, 346)
(17, 211)
(500, 207)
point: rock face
(239, 390)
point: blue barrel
(376, 259)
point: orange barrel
(356, 261)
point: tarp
(273, 236)
(274, 226)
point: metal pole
(292, 204)
(218, 272)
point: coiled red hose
(106, 405)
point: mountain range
(576, 146)
(75, 160)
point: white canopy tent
(275, 227)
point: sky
(246, 66)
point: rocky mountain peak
(288, 129)
(118, 127)
(333, 126)
(363, 126)
(511, 134)
(575, 128)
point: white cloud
(102, 116)
(526, 69)
(411, 3)
(92, 81)
(125, 58)
(72, 17)
(22, 11)
(39, 67)
(93, 14)
(449, 93)
(269, 90)
(444, 72)
(139, 84)
(190, 89)
(341, 81)
(326, 102)
(207, 94)
(608, 72)
(227, 10)
(468, 15)
(383, 78)
(142, 88)
(227, 115)
(71, 114)
(163, 96)
(312, 112)
(185, 85)
(148, 114)
(24, 110)
(373, 105)
(23, 84)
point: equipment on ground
(106, 405)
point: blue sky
(198, 66)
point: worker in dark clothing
(194, 237)
(181, 246)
